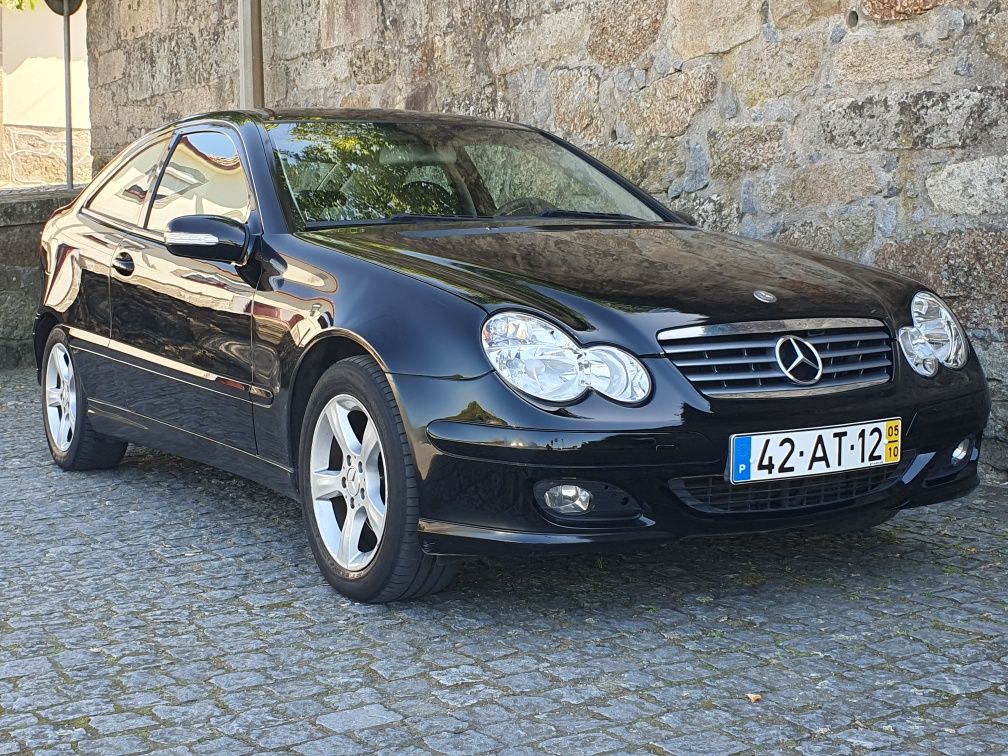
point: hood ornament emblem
(798, 360)
(764, 296)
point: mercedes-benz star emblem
(799, 360)
(764, 296)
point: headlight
(539, 359)
(617, 374)
(534, 356)
(934, 338)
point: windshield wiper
(406, 217)
(556, 212)
(397, 218)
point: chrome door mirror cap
(185, 237)
(207, 237)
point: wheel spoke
(343, 432)
(325, 518)
(370, 445)
(375, 508)
(65, 427)
(65, 367)
(350, 533)
(326, 484)
(53, 397)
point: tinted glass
(348, 171)
(204, 176)
(123, 197)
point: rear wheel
(359, 491)
(74, 444)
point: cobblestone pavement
(165, 605)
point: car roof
(364, 115)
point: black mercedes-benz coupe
(446, 336)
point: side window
(204, 176)
(124, 195)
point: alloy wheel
(348, 482)
(60, 397)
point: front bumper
(478, 471)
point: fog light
(962, 451)
(587, 501)
(568, 498)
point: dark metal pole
(66, 89)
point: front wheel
(359, 491)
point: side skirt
(129, 426)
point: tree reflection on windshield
(359, 172)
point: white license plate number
(814, 451)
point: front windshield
(360, 172)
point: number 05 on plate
(814, 451)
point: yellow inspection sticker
(892, 435)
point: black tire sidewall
(64, 459)
(350, 377)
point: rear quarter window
(124, 196)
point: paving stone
(223, 745)
(702, 743)
(284, 736)
(166, 605)
(867, 739)
(122, 744)
(584, 743)
(22, 667)
(107, 724)
(954, 683)
(464, 742)
(175, 736)
(353, 720)
(328, 746)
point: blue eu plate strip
(741, 458)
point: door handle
(123, 263)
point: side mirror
(207, 237)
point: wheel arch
(44, 325)
(325, 350)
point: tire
(377, 557)
(73, 443)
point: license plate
(814, 451)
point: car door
(78, 285)
(181, 327)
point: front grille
(712, 494)
(739, 359)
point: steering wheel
(525, 206)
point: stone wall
(871, 129)
(152, 61)
(22, 215)
(36, 155)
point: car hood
(607, 280)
